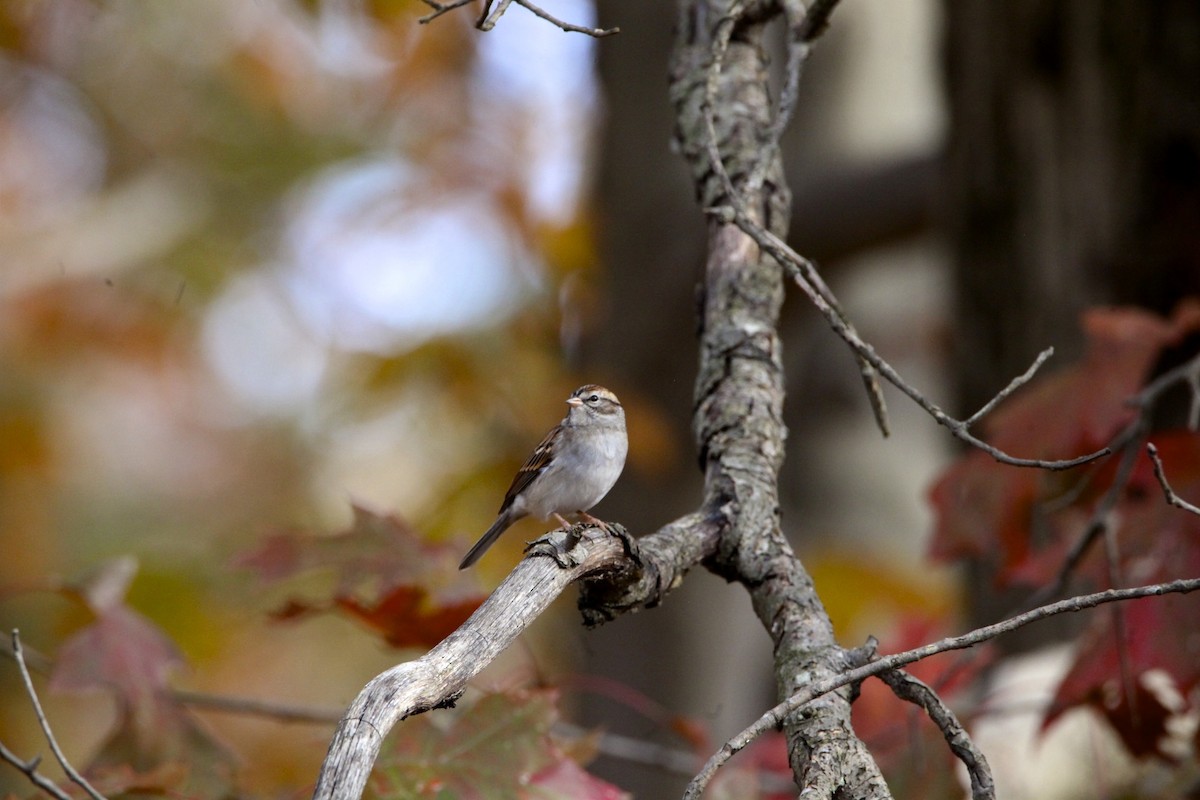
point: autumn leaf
(389, 577)
(1154, 633)
(156, 746)
(406, 616)
(498, 749)
(1015, 518)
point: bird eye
(594, 398)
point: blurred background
(262, 259)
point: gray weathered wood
(438, 679)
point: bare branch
(30, 769)
(1188, 373)
(438, 679)
(792, 261)
(75, 777)
(816, 21)
(598, 33)
(1159, 473)
(1098, 522)
(257, 708)
(488, 21)
(773, 718)
(489, 17)
(907, 687)
(441, 8)
(1013, 385)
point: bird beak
(574, 402)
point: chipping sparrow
(571, 470)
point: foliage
(1026, 523)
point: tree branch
(912, 689)
(71, 772)
(773, 718)
(1159, 473)
(725, 124)
(489, 17)
(30, 769)
(438, 679)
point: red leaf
(122, 651)
(418, 597)
(1159, 635)
(406, 617)
(155, 746)
(982, 507)
(1079, 408)
(568, 780)
(1003, 514)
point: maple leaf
(156, 745)
(417, 596)
(989, 510)
(500, 748)
(1155, 633)
(406, 617)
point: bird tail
(498, 527)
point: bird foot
(589, 519)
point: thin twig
(440, 8)
(1098, 522)
(75, 777)
(30, 769)
(258, 708)
(816, 20)
(598, 33)
(907, 687)
(1161, 474)
(1013, 385)
(1187, 373)
(791, 261)
(774, 718)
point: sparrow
(572, 469)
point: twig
(912, 689)
(1098, 522)
(792, 261)
(805, 274)
(30, 769)
(489, 17)
(259, 708)
(598, 33)
(1188, 373)
(1014, 384)
(488, 21)
(1159, 473)
(440, 8)
(774, 718)
(816, 20)
(75, 777)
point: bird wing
(537, 462)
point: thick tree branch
(726, 130)
(438, 679)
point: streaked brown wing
(533, 466)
